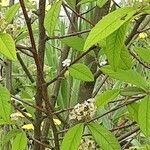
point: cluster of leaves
(122, 98)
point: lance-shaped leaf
(81, 72)
(144, 115)
(114, 44)
(74, 42)
(11, 134)
(106, 97)
(10, 14)
(7, 46)
(133, 110)
(5, 105)
(72, 138)
(108, 25)
(20, 142)
(104, 138)
(101, 3)
(129, 76)
(126, 61)
(143, 53)
(51, 17)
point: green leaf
(72, 138)
(75, 42)
(114, 44)
(11, 12)
(130, 91)
(129, 76)
(146, 10)
(147, 147)
(106, 97)
(51, 17)
(85, 1)
(133, 110)
(144, 115)
(104, 138)
(81, 72)
(7, 46)
(108, 25)
(5, 105)
(143, 54)
(125, 62)
(20, 142)
(11, 134)
(101, 3)
(71, 3)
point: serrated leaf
(106, 97)
(20, 142)
(125, 62)
(108, 25)
(143, 53)
(5, 105)
(81, 72)
(128, 76)
(133, 110)
(7, 46)
(51, 17)
(75, 42)
(144, 115)
(11, 12)
(104, 138)
(101, 3)
(114, 44)
(72, 138)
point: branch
(80, 16)
(68, 35)
(27, 72)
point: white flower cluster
(84, 111)
(88, 144)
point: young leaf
(81, 72)
(114, 44)
(11, 12)
(133, 110)
(104, 138)
(72, 138)
(144, 115)
(143, 54)
(106, 97)
(108, 25)
(129, 76)
(7, 46)
(75, 42)
(5, 106)
(20, 142)
(101, 3)
(50, 20)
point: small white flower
(103, 63)
(66, 62)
